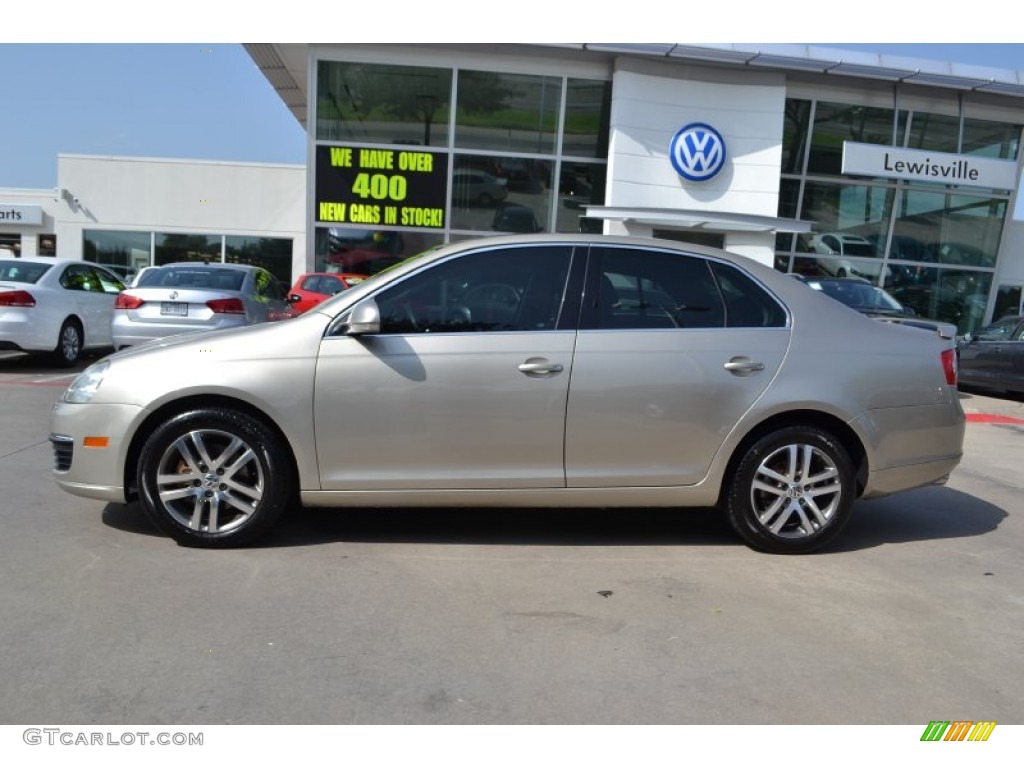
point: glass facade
(428, 155)
(933, 246)
(135, 250)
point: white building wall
(46, 199)
(179, 196)
(652, 101)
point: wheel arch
(846, 436)
(175, 407)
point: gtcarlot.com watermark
(59, 736)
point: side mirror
(363, 319)
(294, 298)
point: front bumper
(93, 467)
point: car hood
(241, 341)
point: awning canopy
(716, 221)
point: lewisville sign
(921, 165)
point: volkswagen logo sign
(698, 152)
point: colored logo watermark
(958, 730)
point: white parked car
(60, 307)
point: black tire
(69, 344)
(771, 504)
(236, 481)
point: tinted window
(747, 304)
(22, 271)
(508, 289)
(633, 288)
(79, 277)
(193, 277)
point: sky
(76, 90)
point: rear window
(193, 277)
(15, 271)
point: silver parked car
(528, 371)
(188, 296)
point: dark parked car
(870, 300)
(994, 358)
(513, 217)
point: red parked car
(312, 288)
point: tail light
(127, 301)
(227, 306)
(17, 299)
(949, 366)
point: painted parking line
(45, 381)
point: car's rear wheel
(214, 477)
(792, 491)
(69, 344)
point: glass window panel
(504, 194)
(47, 245)
(510, 289)
(587, 113)
(794, 135)
(274, 254)
(185, 247)
(382, 103)
(648, 289)
(747, 305)
(127, 249)
(849, 220)
(837, 123)
(954, 296)
(579, 185)
(506, 112)
(991, 139)
(938, 133)
(951, 228)
(368, 251)
(1008, 301)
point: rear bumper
(911, 447)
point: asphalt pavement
(511, 616)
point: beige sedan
(526, 371)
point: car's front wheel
(791, 491)
(214, 477)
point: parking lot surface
(511, 616)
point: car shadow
(925, 514)
(921, 515)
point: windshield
(192, 277)
(17, 271)
(861, 296)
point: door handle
(538, 367)
(743, 366)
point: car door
(672, 351)
(464, 387)
(93, 292)
(988, 359)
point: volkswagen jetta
(525, 371)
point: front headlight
(85, 384)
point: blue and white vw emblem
(698, 152)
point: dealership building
(819, 161)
